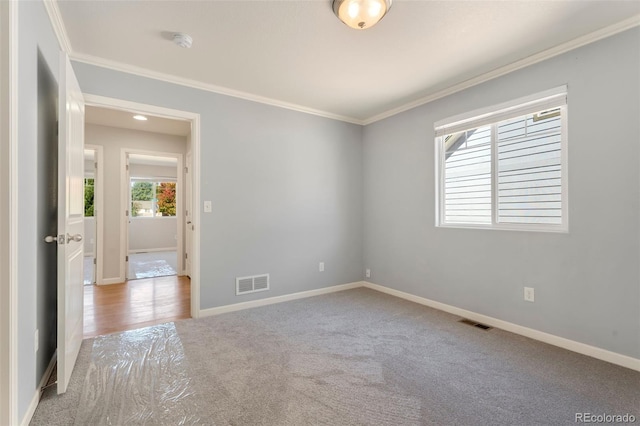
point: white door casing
(128, 205)
(98, 180)
(194, 171)
(188, 216)
(70, 221)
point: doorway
(154, 238)
(93, 199)
(89, 217)
(139, 299)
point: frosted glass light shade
(361, 14)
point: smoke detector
(182, 40)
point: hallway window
(151, 198)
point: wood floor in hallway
(135, 304)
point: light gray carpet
(347, 358)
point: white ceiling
(124, 119)
(297, 53)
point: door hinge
(126, 213)
(127, 167)
(186, 255)
(94, 260)
(126, 258)
(186, 170)
(186, 212)
(95, 165)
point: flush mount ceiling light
(140, 117)
(361, 14)
(182, 40)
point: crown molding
(168, 78)
(63, 39)
(58, 25)
(609, 31)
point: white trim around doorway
(124, 223)
(9, 224)
(194, 172)
(98, 214)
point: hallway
(135, 304)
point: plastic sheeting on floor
(138, 377)
(152, 264)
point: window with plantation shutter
(505, 167)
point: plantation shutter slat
(504, 166)
(467, 190)
(529, 170)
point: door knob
(188, 222)
(54, 239)
(77, 238)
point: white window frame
(555, 98)
(154, 204)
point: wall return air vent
(252, 284)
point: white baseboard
(108, 281)
(581, 348)
(277, 299)
(36, 397)
(152, 250)
(31, 409)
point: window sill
(555, 229)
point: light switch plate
(529, 295)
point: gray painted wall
(286, 188)
(153, 233)
(34, 32)
(112, 140)
(587, 283)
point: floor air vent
(475, 324)
(255, 283)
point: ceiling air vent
(255, 283)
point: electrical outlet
(321, 267)
(529, 294)
(36, 341)
(207, 206)
(367, 273)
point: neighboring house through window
(505, 167)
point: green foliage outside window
(140, 191)
(166, 195)
(88, 197)
(153, 199)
